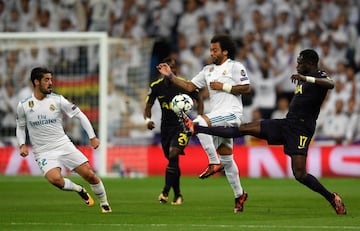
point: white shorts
(65, 156)
(223, 119)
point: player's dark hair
(169, 60)
(310, 56)
(38, 73)
(226, 44)
(172, 63)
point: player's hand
(216, 85)
(150, 125)
(94, 142)
(296, 78)
(23, 150)
(164, 69)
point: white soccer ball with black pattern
(182, 102)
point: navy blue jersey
(164, 91)
(306, 103)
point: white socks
(99, 191)
(232, 174)
(71, 186)
(207, 143)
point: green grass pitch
(30, 203)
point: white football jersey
(44, 120)
(230, 72)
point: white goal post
(45, 40)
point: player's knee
(173, 156)
(55, 178)
(86, 172)
(201, 121)
(91, 177)
(299, 175)
(57, 182)
(225, 149)
(174, 153)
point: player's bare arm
(322, 82)
(147, 116)
(200, 102)
(165, 70)
(236, 89)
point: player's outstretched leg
(223, 131)
(189, 124)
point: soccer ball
(182, 102)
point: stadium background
(140, 34)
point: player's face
(217, 55)
(45, 85)
(301, 66)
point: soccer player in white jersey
(42, 114)
(226, 80)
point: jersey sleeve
(20, 115)
(68, 108)
(86, 125)
(199, 80)
(20, 124)
(240, 75)
(151, 96)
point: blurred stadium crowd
(269, 33)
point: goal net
(106, 78)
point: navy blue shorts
(293, 134)
(173, 137)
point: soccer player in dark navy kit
(296, 130)
(173, 135)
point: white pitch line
(265, 227)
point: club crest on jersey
(73, 107)
(211, 69)
(52, 107)
(224, 72)
(242, 72)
